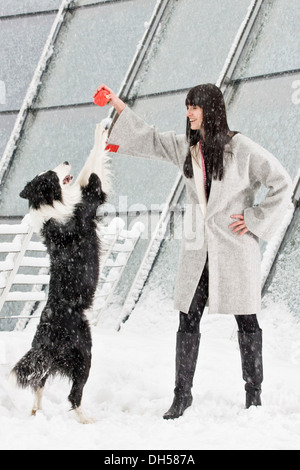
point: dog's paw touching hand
(94, 181)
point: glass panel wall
(7, 122)
(274, 42)
(167, 111)
(266, 108)
(191, 47)
(93, 2)
(82, 59)
(282, 285)
(48, 140)
(22, 41)
(14, 7)
(266, 111)
(96, 45)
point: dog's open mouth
(67, 179)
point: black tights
(190, 323)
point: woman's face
(195, 115)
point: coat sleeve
(264, 219)
(133, 136)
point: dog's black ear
(26, 192)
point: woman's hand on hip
(239, 225)
(114, 100)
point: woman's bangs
(193, 98)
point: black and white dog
(65, 216)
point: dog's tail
(32, 370)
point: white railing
(24, 272)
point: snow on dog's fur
(65, 216)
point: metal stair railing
(117, 247)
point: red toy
(101, 97)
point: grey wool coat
(234, 261)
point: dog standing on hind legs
(65, 216)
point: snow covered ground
(131, 386)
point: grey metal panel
(13, 7)
(95, 45)
(266, 111)
(22, 41)
(192, 46)
(274, 42)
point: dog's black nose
(66, 163)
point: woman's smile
(195, 116)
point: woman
(220, 256)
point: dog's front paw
(94, 182)
(93, 191)
(105, 124)
(101, 132)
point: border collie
(65, 216)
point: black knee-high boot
(187, 347)
(252, 367)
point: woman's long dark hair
(216, 131)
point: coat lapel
(214, 203)
(214, 198)
(199, 178)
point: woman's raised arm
(131, 135)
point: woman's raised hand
(114, 100)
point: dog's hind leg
(76, 396)
(75, 399)
(37, 404)
(82, 417)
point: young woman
(220, 256)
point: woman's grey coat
(234, 261)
